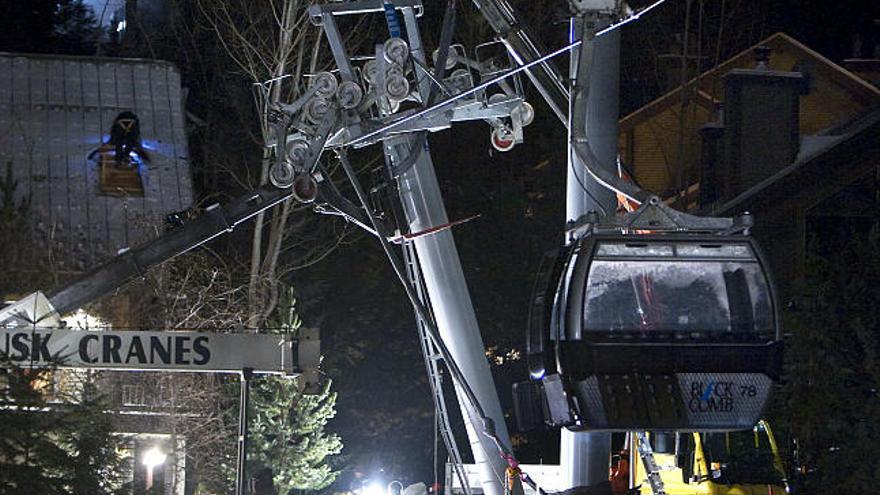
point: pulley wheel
(525, 112)
(502, 139)
(451, 58)
(325, 84)
(305, 188)
(396, 87)
(370, 71)
(497, 98)
(296, 151)
(349, 95)
(460, 80)
(281, 175)
(316, 109)
(396, 51)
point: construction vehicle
(712, 463)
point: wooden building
(779, 131)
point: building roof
(826, 163)
(55, 111)
(710, 90)
(649, 137)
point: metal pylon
(435, 378)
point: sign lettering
(183, 351)
(714, 396)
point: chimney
(864, 58)
(711, 151)
(761, 128)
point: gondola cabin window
(677, 291)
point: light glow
(373, 488)
(84, 321)
(154, 457)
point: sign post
(244, 400)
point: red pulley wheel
(501, 143)
(305, 188)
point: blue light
(139, 163)
(149, 145)
(158, 147)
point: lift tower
(433, 260)
(592, 116)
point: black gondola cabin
(662, 321)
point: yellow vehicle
(731, 463)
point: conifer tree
(65, 446)
(288, 434)
(40, 26)
(830, 402)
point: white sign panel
(166, 351)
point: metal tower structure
(593, 113)
(433, 259)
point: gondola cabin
(660, 321)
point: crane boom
(134, 262)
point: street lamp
(152, 458)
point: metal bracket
(655, 216)
(316, 12)
(581, 7)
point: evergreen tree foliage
(99, 467)
(287, 426)
(14, 218)
(49, 26)
(76, 29)
(288, 434)
(64, 446)
(829, 401)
